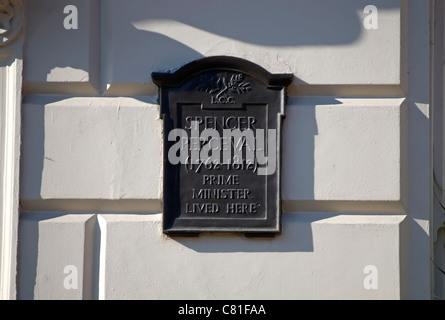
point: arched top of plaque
(226, 63)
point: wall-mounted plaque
(222, 147)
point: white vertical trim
(10, 103)
(11, 66)
(102, 256)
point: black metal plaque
(222, 138)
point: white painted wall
(356, 163)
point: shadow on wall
(170, 34)
(263, 22)
(296, 236)
(144, 36)
(27, 259)
(299, 131)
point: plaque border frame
(175, 79)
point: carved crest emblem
(224, 88)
